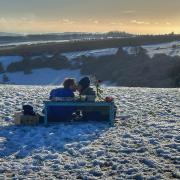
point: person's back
(62, 113)
(61, 92)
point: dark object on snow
(28, 110)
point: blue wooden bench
(109, 105)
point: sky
(48, 16)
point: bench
(109, 105)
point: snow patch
(169, 49)
(45, 76)
(92, 53)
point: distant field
(62, 47)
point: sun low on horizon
(133, 16)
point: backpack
(28, 110)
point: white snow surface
(7, 60)
(170, 49)
(144, 143)
(92, 53)
(45, 76)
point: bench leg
(46, 116)
(110, 116)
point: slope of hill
(169, 49)
(8, 34)
(45, 76)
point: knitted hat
(84, 82)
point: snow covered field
(45, 76)
(143, 144)
(169, 49)
(7, 60)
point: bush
(175, 73)
(1, 68)
(27, 65)
(5, 78)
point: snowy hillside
(91, 53)
(143, 144)
(7, 60)
(47, 76)
(44, 76)
(169, 49)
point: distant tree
(27, 71)
(121, 52)
(5, 78)
(175, 74)
(177, 80)
(1, 68)
(174, 46)
(138, 50)
(142, 51)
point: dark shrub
(5, 78)
(175, 73)
(1, 68)
(27, 65)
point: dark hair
(85, 83)
(68, 82)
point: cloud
(116, 23)
(156, 23)
(3, 20)
(22, 20)
(168, 23)
(67, 21)
(140, 22)
(96, 22)
(129, 12)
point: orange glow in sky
(134, 16)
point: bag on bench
(27, 117)
(21, 119)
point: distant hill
(8, 34)
(14, 38)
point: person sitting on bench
(88, 113)
(62, 113)
(85, 89)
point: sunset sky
(134, 16)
